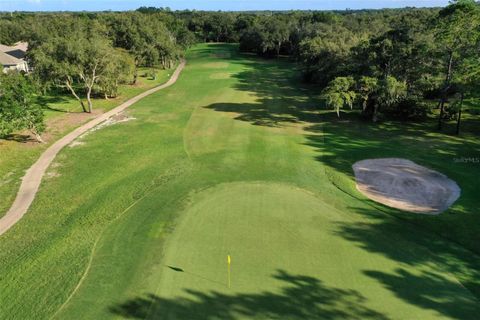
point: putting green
(281, 244)
(262, 226)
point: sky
(224, 5)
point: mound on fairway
(405, 185)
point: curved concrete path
(32, 179)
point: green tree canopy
(77, 62)
(340, 93)
(18, 110)
(458, 38)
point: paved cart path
(32, 179)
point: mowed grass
(235, 159)
(63, 113)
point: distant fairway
(137, 221)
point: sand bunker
(403, 184)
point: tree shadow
(428, 291)
(176, 269)
(280, 99)
(350, 139)
(17, 137)
(395, 239)
(256, 114)
(55, 97)
(300, 297)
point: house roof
(8, 60)
(23, 46)
(18, 50)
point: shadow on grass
(300, 297)
(428, 291)
(394, 239)
(21, 138)
(55, 97)
(343, 141)
(176, 269)
(279, 97)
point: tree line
(387, 63)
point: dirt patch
(405, 185)
(76, 143)
(52, 174)
(118, 118)
(68, 121)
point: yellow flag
(229, 261)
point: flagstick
(229, 262)
(229, 277)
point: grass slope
(233, 159)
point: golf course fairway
(139, 218)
